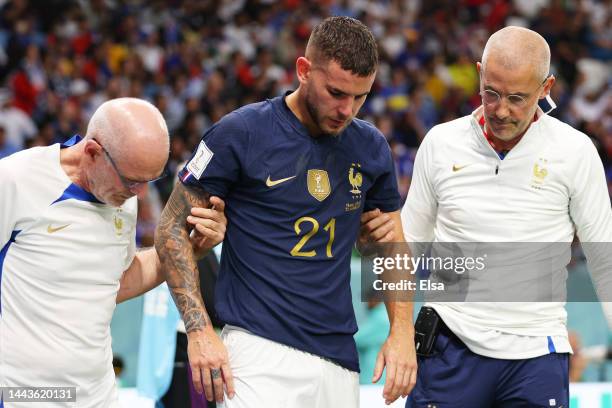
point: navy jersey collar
(282, 107)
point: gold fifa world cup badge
(318, 184)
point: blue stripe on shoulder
(551, 345)
(73, 191)
(71, 142)
(3, 252)
(76, 192)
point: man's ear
(550, 81)
(302, 69)
(92, 148)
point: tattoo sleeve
(177, 258)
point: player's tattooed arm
(177, 257)
(206, 353)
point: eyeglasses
(129, 184)
(490, 97)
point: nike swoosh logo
(457, 168)
(272, 183)
(51, 230)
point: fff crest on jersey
(318, 184)
(355, 178)
(118, 222)
(539, 173)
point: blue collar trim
(76, 192)
(71, 142)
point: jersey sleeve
(420, 208)
(217, 163)
(591, 213)
(589, 200)
(384, 194)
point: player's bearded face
(334, 96)
(327, 125)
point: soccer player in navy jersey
(296, 173)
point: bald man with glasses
(490, 97)
(128, 183)
(68, 254)
(508, 173)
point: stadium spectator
(429, 42)
(18, 126)
(6, 147)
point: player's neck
(295, 103)
(71, 162)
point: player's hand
(209, 226)
(399, 356)
(209, 363)
(376, 226)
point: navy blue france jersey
(293, 204)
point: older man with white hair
(67, 231)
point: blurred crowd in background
(197, 60)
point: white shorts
(271, 375)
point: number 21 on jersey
(330, 228)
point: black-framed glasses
(490, 97)
(128, 183)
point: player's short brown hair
(346, 41)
